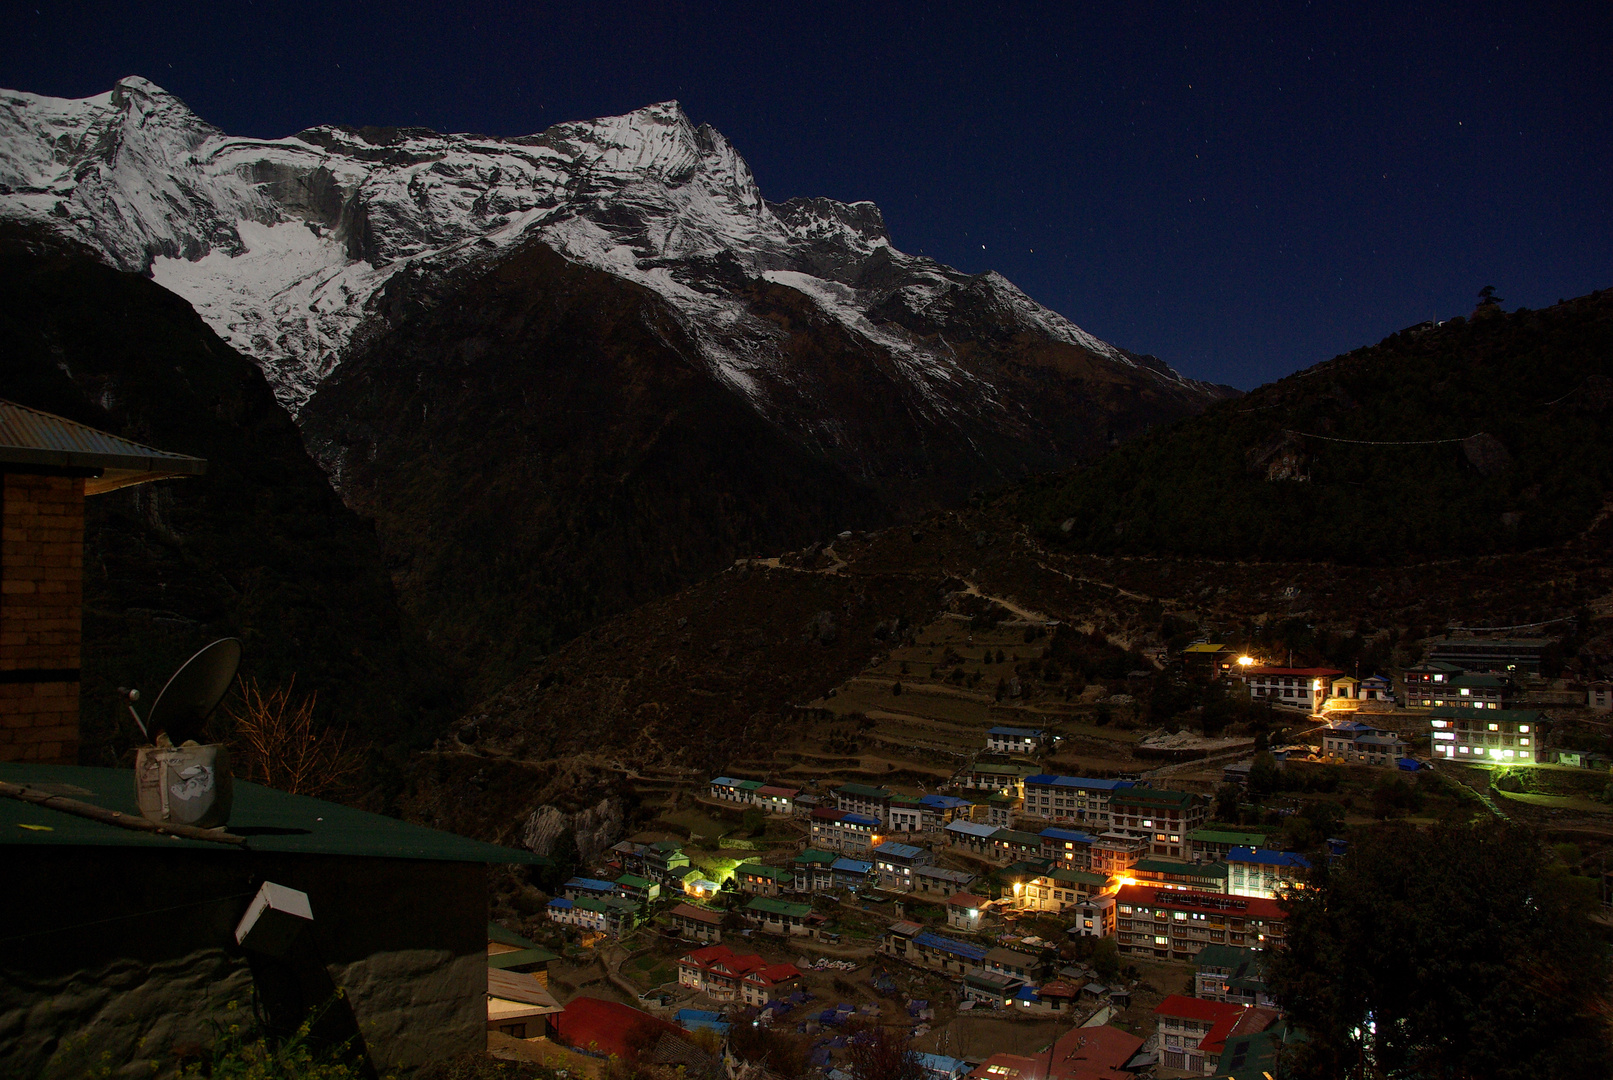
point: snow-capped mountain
(285, 245)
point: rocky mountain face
(559, 316)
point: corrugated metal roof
(271, 821)
(31, 437)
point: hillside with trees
(1474, 436)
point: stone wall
(41, 600)
(127, 958)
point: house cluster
(1473, 695)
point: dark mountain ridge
(260, 547)
(1478, 435)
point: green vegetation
(1456, 951)
(1528, 391)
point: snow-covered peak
(283, 245)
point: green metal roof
(520, 958)
(497, 933)
(633, 881)
(813, 855)
(863, 791)
(1220, 836)
(1080, 877)
(773, 873)
(1014, 836)
(1153, 797)
(271, 821)
(1211, 648)
(779, 907)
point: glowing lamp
(1245, 661)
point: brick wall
(41, 600)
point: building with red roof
(1174, 924)
(717, 970)
(964, 911)
(607, 1028)
(1094, 1053)
(1193, 1032)
(767, 983)
(1301, 688)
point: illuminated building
(1488, 736)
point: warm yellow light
(1122, 880)
(1018, 886)
(1246, 660)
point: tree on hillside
(1452, 953)
(880, 1054)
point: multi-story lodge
(1300, 688)
(1206, 877)
(1015, 740)
(1001, 777)
(1071, 798)
(874, 802)
(1209, 844)
(924, 813)
(1114, 854)
(1489, 737)
(1233, 975)
(1492, 656)
(1257, 872)
(1361, 744)
(838, 830)
(1162, 817)
(896, 864)
(1067, 848)
(1056, 890)
(1427, 680)
(1167, 924)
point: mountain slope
(259, 548)
(1475, 436)
(546, 449)
(570, 371)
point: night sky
(1242, 190)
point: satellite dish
(194, 692)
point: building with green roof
(781, 917)
(399, 923)
(1208, 844)
(1158, 815)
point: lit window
(1523, 742)
(1523, 729)
(1495, 727)
(1506, 753)
(1461, 749)
(1440, 723)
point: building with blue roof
(1072, 798)
(850, 873)
(702, 1020)
(580, 886)
(1263, 873)
(940, 953)
(941, 1067)
(896, 864)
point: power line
(1379, 442)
